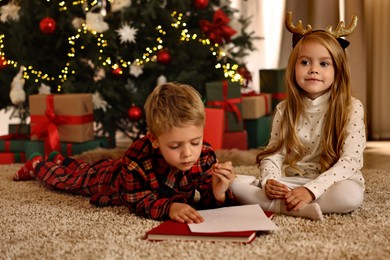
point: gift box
(272, 80)
(23, 129)
(71, 115)
(12, 145)
(8, 157)
(66, 149)
(214, 127)
(259, 131)
(226, 95)
(235, 140)
(256, 105)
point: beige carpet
(40, 224)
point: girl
(312, 162)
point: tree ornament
(95, 22)
(9, 12)
(201, 4)
(117, 71)
(245, 74)
(127, 33)
(136, 69)
(17, 93)
(134, 113)
(47, 25)
(3, 62)
(163, 56)
(218, 30)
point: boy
(159, 173)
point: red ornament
(201, 4)
(47, 25)
(134, 113)
(3, 62)
(163, 56)
(117, 71)
(245, 73)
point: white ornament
(95, 22)
(78, 22)
(9, 12)
(136, 70)
(99, 74)
(118, 5)
(44, 89)
(161, 80)
(127, 33)
(17, 93)
(99, 102)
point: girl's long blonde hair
(333, 134)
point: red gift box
(214, 128)
(7, 158)
(235, 140)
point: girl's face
(314, 70)
(181, 146)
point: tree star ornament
(136, 70)
(9, 12)
(127, 33)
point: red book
(173, 230)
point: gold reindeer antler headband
(340, 31)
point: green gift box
(259, 131)
(272, 80)
(226, 95)
(12, 145)
(67, 149)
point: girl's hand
(275, 190)
(184, 213)
(223, 177)
(298, 197)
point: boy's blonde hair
(173, 105)
(338, 112)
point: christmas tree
(118, 50)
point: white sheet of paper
(236, 218)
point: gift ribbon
(279, 96)
(218, 29)
(227, 104)
(46, 126)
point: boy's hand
(223, 176)
(298, 197)
(184, 213)
(275, 190)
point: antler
(298, 29)
(341, 30)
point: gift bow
(218, 30)
(227, 104)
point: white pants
(342, 197)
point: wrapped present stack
(257, 108)
(225, 96)
(58, 123)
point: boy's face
(181, 146)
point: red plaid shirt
(141, 180)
